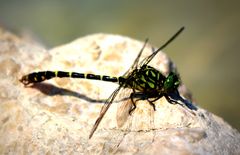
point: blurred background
(206, 53)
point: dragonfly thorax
(147, 79)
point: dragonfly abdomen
(36, 77)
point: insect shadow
(176, 96)
(52, 90)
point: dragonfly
(145, 82)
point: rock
(56, 116)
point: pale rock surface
(56, 116)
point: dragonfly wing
(103, 111)
(135, 63)
(150, 57)
(124, 108)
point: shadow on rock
(176, 96)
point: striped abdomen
(46, 75)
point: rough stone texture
(56, 116)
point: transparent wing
(135, 63)
(104, 109)
(109, 101)
(150, 57)
(124, 107)
(141, 119)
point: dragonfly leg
(133, 102)
(152, 104)
(172, 101)
(139, 96)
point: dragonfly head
(172, 82)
